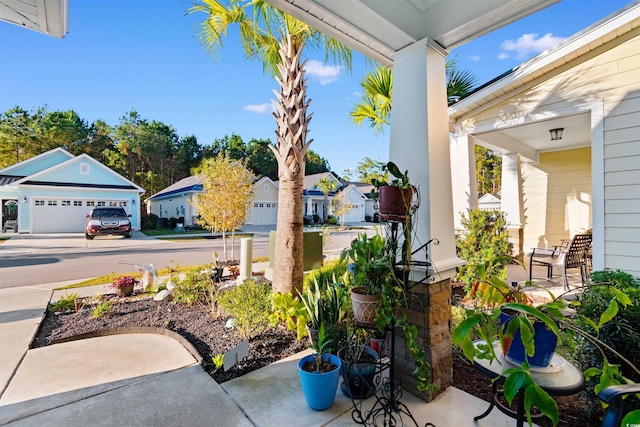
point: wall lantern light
(556, 134)
(133, 201)
(24, 199)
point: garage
(355, 214)
(64, 215)
(264, 213)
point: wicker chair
(570, 254)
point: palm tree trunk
(291, 117)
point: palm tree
(375, 105)
(326, 185)
(278, 41)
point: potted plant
(319, 375)
(394, 198)
(370, 268)
(359, 366)
(325, 307)
(488, 323)
(124, 285)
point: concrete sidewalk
(152, 380)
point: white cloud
(324, 73)
(503, 55)
(529, 44)
(259, 108)
(475, 57)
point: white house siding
(557, 197)
(356, 214)
(608, 81)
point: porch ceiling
(380, 28)
(531, 139)
(50, 17)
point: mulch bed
(210, 337)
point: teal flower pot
(319, 388)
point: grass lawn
(179, 269)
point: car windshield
(108, 213)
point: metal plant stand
(387, 409)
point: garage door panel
(264, 213)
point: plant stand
(387, 409)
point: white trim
(597, 184)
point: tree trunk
(287, 267)
(291, 117)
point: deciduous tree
(227, 192)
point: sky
(144, 55)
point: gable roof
(37, 163)
(604, 34)
(189, 184)
(265, 179)
(40, 178)
(364, 187)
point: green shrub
(149, 222)
(621, 333)
(485, 237)
(250, 305)
(172, 223)
(332, 220)
(194, 288)
(65, 303)
(101, 309)
(331, 272)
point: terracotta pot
(394, 203)
(124, 291)
(364, 305)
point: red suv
(108, 221)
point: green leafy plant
(483, 324)
(331, 272)
(320, 346)
(218, 361)
(194, 288)
(290, 311)
(66, 303)
(101, 309)
(250, 305)
(400, 179)
(370, 263)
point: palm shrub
(484, 238)
(250, 305)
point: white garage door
(355, 214)
(64, 215)
(264, 213)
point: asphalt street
(27, 259)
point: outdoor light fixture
(24, 199)
(556, 134)
(133, 201)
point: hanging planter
(364, 305)
(394, 203)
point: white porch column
(511, 201)
(463, 177)
(420, 144)
(309, 207)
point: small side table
(563, 380)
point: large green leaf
(532, 311)
(632, 418)
(536, 396)
(609, 313)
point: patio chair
(613, 395)
(569, 254)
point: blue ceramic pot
(358, 378)
(544, 341)
(319, 388)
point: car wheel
(88, 237)
(128, 235)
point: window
(84, 168)
(52, 203)
(102, 203)
(266, 188)
(77, 203)
(66, 203)
(123, 204)
(91, 203)
(112, 203)
(39, 202)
